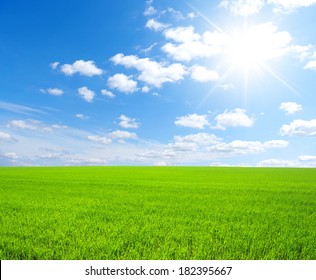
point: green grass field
(157, 213)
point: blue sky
(158, 82)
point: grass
(157, 213)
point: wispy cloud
(21, 109)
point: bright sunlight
(251, 47)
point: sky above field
(158, 82)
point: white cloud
(122, 83)
(35, 125)
(174, 13)
(290, 107)
(182, 34)
(259, 42)
(82, 116)
(226, 86)
(301, 161)
(7, 137)
(99, 139)
(191, 15)
(55, 91)
(275, 144)
(24, 124)
(150, 10)
(307, 158)
(10, 155)
(156, 25)
(239, 147)
(202, 139)
(243, 7)
(120, 134)
(276, 163)
(145, 89)
(84, 68)
(54, 65)
(19, 108)
(234, 118)
(107, 93)
(299, 128)
(189, 50)
(86, 94)
(303, 52)
(202, 74)
(127, 122)
(152, 72)
(288, 5)
(191, 45)
(311, 65)
(193, 121)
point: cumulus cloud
(243, 7)
(152, 72)
(122, 83)
(84, 68)
(291, 107)
(193, 121)
(188, 44)
(263, 40)
(189, 50)
(7, 137)
(107, 93)
(311, 65)
(202, 74)
(127, 122)
(234, 118)
(182, 34)
(55, 91)
(145, 89)
(299, 128)
(86, 94)
(155, 25)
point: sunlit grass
(157, 213)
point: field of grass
(157, 213)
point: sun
(251, 47)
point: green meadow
(160, 213)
